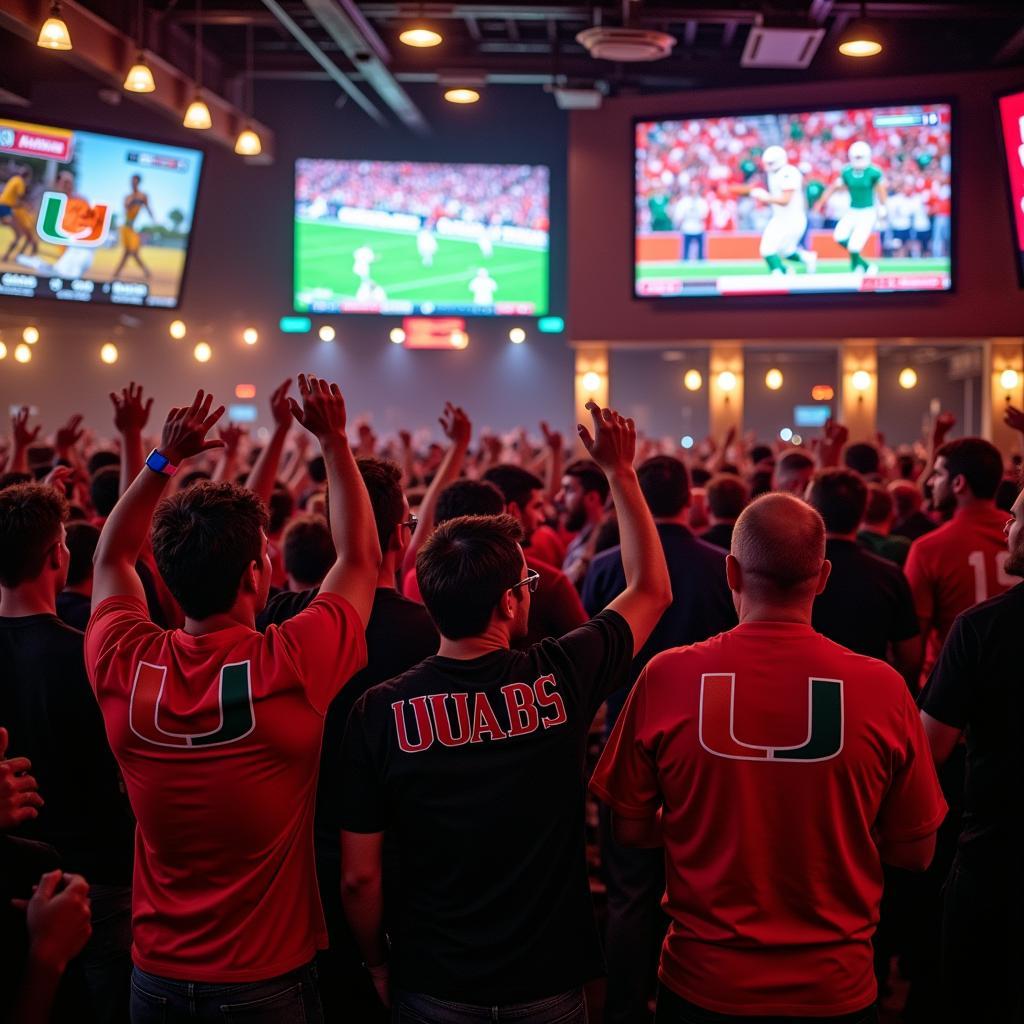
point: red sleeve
(411, 587)
(914, 806)
(626, 777)
(326, 642)
(920, 581)
(116, 627)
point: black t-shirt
(53, 719)
(866, 604)
(477, 769)
(74, 609)
(976, 686)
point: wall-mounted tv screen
(87, 217)
(412, 238)
(829, 201)
(1011, 117)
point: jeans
(106, 961)
(673, 1009)
(566, 1008)
(289, 999)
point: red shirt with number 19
(956, 567)
(218, 739)
(779, 759)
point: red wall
(985, 302)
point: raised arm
(264, 472)
(832, 444)
(457, 428)
(231, 434)
(126, 529)
(648, 589)
(22, 436)
(555, 460)
(353, 528)
(943, 424)
(131, 415)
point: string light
(108, 353)
(397, 336)
(327, 333)
(692, 380)
(250, 335)
(23, 353)
(202, 352)
(177, 329)
(908, 378)
(3, 350)
(30, 335)
(773, 380)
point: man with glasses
(399, 634)
(473, 764)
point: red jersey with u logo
(777, 757)
(218, 738)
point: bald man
(778, 770)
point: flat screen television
(411, 239)
(89, 217)
(847, 201)
(1011, 119)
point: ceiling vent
(627, 45)
(778, 46)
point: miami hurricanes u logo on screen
(234, 700)
(64, 221)
(718, 717)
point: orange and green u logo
(234, 697)
(718, 716)
(71, 220)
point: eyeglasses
(532, 582)
(411, 522)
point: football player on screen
(788, 222)
(869, 197)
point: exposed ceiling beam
(346, 24)
(1011, 48)
(333, 71)
(105, 53)
(473, 28)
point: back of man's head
(281, 507)
(383, 480)
(907, 498)
(727, 496)
(762, 453)
(792, 471)
(81, 540)
(779, 543)
(977, 461)
(590, 477)
(862, 457)
(464, 568)
(840, 496)
(469, 498)
(317, 469)
(30, 522)
(515, 483)
(665, 484)
(308, 550)
(100, 459)
(105, 489)
(879, 508)
(204, 539)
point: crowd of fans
(322, 749)
(507, 195)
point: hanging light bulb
(861, 38)
(248, 143)
(177, 329)
(727, 381)
(462, 96)
(54, 34)
(139, 77)
(421, 36)
(773, 379)
(198, 115)
(692, 380)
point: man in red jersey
(217, 728)
(779, 770)
(963, 562)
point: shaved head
(779, 543)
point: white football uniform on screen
(855, 227)
(788, 222)
(483, 289)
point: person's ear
(826, 571)
(251, 580)
(959, 484)
(507, 605)
(733, 573)
(396, 543)
(54, 559)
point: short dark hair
(383, 480)
(30, 520)
(863, 457)
(308, 550)
(760, 483)
(81, 540)
(514, 482)
(761, 453)
(840, 495)
(204, 539)
(727, 496)
(317, 469)
(665, 484)
(464, 568)
(794, 462)
(15, 477)
(469, 498)
(197, 476)
(281, 506)
(1006, 494)
(100, 459)
(977, 461)
(699, 476)
(590, 476)
(879, 505)
(105, 489)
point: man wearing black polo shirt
(975, 690)
(866, 605)
(473, 763)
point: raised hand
(19, 796)
(58, 918)
(231, 434)
(829, 447)
(70, 434)
(943, 424)
(456, 425)
(367, 439)
(613, 443)
(185, 430)
(23, 436)
(131, 413)
(59, 477)
(552, 438)
(279, 407)
(322, 411)
(406, 438)
(1014, 418)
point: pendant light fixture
(861, 38)
(139, 77)
(248, 142)
(54, 34)
(420, 34)
(198, 114)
